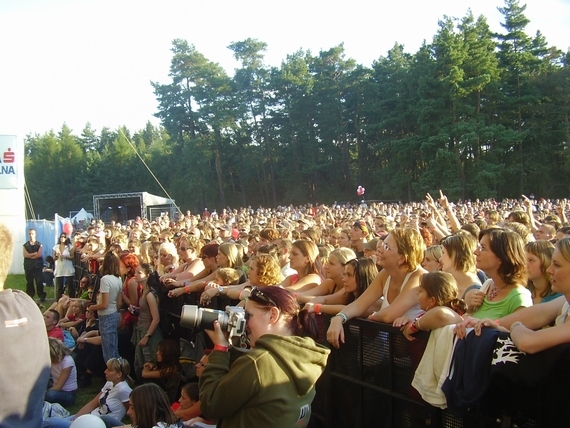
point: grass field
(84, 395)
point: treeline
(477, 113)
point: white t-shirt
(63, 266)
(56, 369)
(111, 400)
(110, 284)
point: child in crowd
(227, 276)
(437, 296)
(63, 374)
(49, 267)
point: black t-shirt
(33, 263)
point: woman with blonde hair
(333, 283)
(147, 253)
(400, 256)
(167, 257)
(334, 236)
(303, 258)
(538, 260)
(458, 259)
(63, 374)
(264, 270)
(432, 258)
(188, 247)
(110, 404)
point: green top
(516, 298)
(272, 385)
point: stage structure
(122, 207)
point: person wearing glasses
(273, 384)
(400, 256)
(83, 292)
(189, 255)
(110, 404)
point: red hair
(130, 261)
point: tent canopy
(81, 216)
(122, 207)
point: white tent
(82, 217)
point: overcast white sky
(79, 61)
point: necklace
(496, 290)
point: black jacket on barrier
(470, 372)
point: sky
(79, 61)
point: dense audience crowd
(418, 266)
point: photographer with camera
(273, 384)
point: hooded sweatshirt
(271, 385)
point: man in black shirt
(33, 265)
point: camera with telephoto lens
(232, 320)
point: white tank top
(414, 311)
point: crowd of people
(419, 266)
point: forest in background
(476, 113)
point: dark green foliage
(475, 113)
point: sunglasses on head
(259, 297)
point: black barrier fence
(367, 383)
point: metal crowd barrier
(367, 383)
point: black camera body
(232, 320)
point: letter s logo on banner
(9, 156)
(9, 163)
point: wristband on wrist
(343, 316)
(220, 290)
(413, 327)
(220, 348)
(187, 289)
(497, 322)
(515, 324)
(417, 323)
(318, 308)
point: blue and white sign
(10, 163)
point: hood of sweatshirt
(304, 359)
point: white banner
(10, 164)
